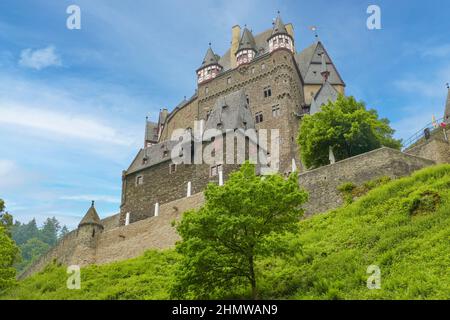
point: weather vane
(314, 29)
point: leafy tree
(222, 241)
(6, 220)
(63, 232)
(49, 231)
(31, 250)
(9, 252)
(23, 232)
(347, 127)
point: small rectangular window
(258, 117)
(206, 90)
(228, 80)
(276, 111)
(139, 180)
(263, 66)
(165, 154)
(267, 92)
(172, 168)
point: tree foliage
(222, 240)
(347, 127)
(8, 250)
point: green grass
(145, 277)
(402, 226)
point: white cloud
(40, 58)
(10, 174)
(60, 123)
(87, 198)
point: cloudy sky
(73, 102)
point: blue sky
(73, 102)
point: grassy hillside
(403, 227)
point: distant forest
(34, 241)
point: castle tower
(210, 67)
(280, 38)
(447, 107)
(247, 48)
(89, 228)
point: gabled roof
(310, 65)
(247, 41)
(231, 112)
(278, 27)
(210, 58)
(151, 131)
(91, 217)
(447, 108)
(325, 94)
(152, 155)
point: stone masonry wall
(322, 183)
(126, 242)
(121, 242)
(437, 148)
(153, 233)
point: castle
(261, 82)
(277, 86)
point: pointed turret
(210, 66)
(278, 26)
(247, 48)
(280, 38)
(447, 106)
(91, 217)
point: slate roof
(278, 27)
(151, 132)
(210, 58)
(325, 94)
(154, 154)
(91, 217)
(247, 41)
(309, 62)
(231, 112)
(261, 45)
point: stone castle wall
(437, 148)
(322, 183)
(119, 243)
(156, 232)
(124, 242)
(140, 200)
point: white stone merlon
(156, 209)
(189, 189)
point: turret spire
(91, 217)
(247, 48)
(210, 66)
(280, 38)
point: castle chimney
(235, 37)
